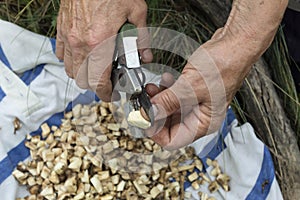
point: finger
(178, 134)
(167, 80)
(79, 56)
(181, 139)
(180, 95)
(59, 48)
(104, 87)
(81, 77)
(161, 126)
(138, 17)
(152, 89)
(157, 126)
(99, 80)
(68, 61)
(99, 69)
(59, 45)
(193, 126)
(165, 103)
(161, 133)
(196, 124)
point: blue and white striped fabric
(34, 88)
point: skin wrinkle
(244, 36)
(255, 29)
(223, 64)
(85, 10)
(79, 33)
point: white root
(90, 156)
(135, 118)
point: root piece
(136, 119)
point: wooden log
(267, 116)
(264, 109)
(217, 10)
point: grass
(169, 15)
(40, 16)
(35, 15)
(278, 58)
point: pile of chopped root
(91, 156)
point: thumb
(165, 104)
(180, 95)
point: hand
(85, 42)
(196, 104)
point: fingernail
(155, 111)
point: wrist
(231, 56)
(252, 25)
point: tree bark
(217, 10)
(268, 118)
(264, 110)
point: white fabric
(243, 159)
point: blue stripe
(266, 176)
(53, 43)
(86, 98)
(230, 116)
(2, 94)
(216, 147)
(20, 152)
(265, 179)
(8, 164)
(31, 74)
(3, 58)
(27, 77)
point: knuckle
(143, 9)
(139, 13)
(90, 39)
(169, 101)
(95, 37)
(73, 39)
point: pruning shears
(127, 73)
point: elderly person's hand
(82, 30)
(195, 105)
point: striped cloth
(35, 89)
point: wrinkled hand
(196, 104)
(83, 29)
